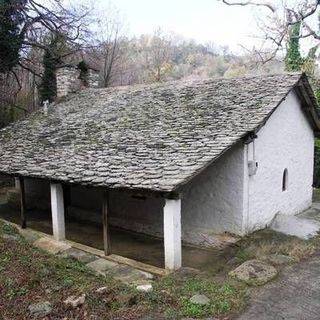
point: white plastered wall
(286, 141)
(213, 202)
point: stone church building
(182, 161)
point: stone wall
(68, 80)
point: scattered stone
(130, 275)
(102, 290)
(146, 275)
(41, 309)
(51, 245)
(74, 301)
(78, 255)
(102, 266)
(279, 259)
(200, 299)
(144, 288)
(254, 272)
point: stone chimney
(71, 79)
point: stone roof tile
(153, 137)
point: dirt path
(296, 295)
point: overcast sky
(202, 20)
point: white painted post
(172, 233)
(57, 210)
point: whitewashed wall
(286, 141)
(213, 201)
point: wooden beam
(106, 232)
(22, 203)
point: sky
(201, 20)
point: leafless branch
(252, 3)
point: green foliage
(51, 62)
(293, 59)
(11, 19)
(83, 67)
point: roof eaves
(309, 102)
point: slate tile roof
(154, 137)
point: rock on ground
(200, 299)
(254, 272)
(74, 301)
(102, 290)
(144, 287)
(40, 309)
(294, 296)
(78, 255)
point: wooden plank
(22, 203)
(106, 233)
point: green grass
(29, 275)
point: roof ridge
(189, 81)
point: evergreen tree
(11, 19)
(293, 59)
(51, 62)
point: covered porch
(164, 252)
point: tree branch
(252, 3)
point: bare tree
(108, 44)
(157, 54)
(280, 18)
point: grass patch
(266, 242)
(29, 275)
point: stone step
(123, 273)
(50, 245)
(299, 226)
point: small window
(285, 180)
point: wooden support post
(66, 197)
(172, 233)
(22, 203)
(106, 233)
(57, 211)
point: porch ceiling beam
(22, 202)
(106, 230)
(57, 211)
(172, 233)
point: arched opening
(285, 180)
